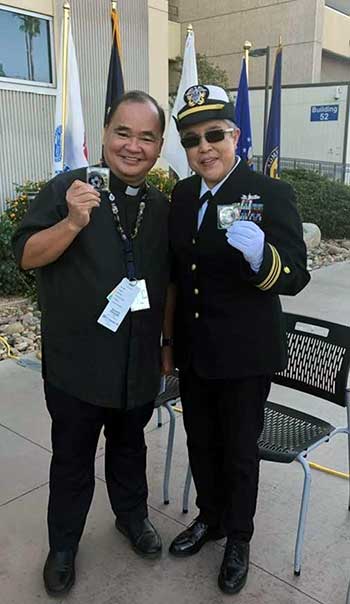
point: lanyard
(128, 241)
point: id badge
(120, 302)
(141, 302)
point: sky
(13, 48)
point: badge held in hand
(98, 178)
(228, 214)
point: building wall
(300, 137)
(158, 51)
(27, 117)
(336, 32)
(221, 29)
(46, 7)
(334, 68)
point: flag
(115, 82)
(272, 146)
(173, 153)
(244, 146)
(70, 149)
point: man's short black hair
(136, 96)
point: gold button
(194, 241)
(193, 267)
(286, 270)
(196, 291)
(196, 315)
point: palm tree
(31, 28)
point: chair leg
(187, 487)
(348, 435)
(302, 514)
(348, 595)
(169, 452)
(159, 417)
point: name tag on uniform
(141, 301)
(120, 302)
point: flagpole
(247, 46)
(115, 26)
(66, 21)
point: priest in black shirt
(84, 243)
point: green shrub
(17, 207)
(160, 178)
(322, 201)
(12, 280)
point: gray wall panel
(26, 131)
(27, 119)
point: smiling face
(132, 141)
(212, 161)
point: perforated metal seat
(288, 432)
(318, 365)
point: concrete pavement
(108, 572)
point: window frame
(31, 85)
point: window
(25, 47)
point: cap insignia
(196, 95)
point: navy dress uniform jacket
(228, 322)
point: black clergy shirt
(81, 357)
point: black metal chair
(167, 399)
(318, 365)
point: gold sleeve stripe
(277, 273)
(200, 108)
(274, 272)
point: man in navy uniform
(228, 330)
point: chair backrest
(319, 358)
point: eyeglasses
(211, 136)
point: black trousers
(223, 420)
(76, 426)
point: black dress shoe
(143, 537)
(191, 540)
(59, 572)
(234, 568)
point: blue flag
(244, 146)
(115, 83)
(272, 148)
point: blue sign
(324, 113)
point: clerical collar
(118, 185)
(205, 188)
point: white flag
(74, 150)
(173, 153)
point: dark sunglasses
(211, 136)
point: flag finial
(247, 45)
(189, 28)
(114, 5)
(66, 6)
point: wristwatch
(167, 342)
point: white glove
(248, 238)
